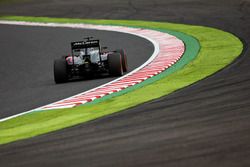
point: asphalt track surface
(27, 63)
(206, 124)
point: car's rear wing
(84, 44)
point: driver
(78, 58)
(94, 55)
(81, 54)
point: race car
(88, 59)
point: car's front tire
(60, 71)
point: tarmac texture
(27, 79)
(206, 124)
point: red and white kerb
(168, 49)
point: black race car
(89, 59)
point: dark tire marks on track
(206, 124)
(27, 55)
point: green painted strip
(217, 49)
(192, 48)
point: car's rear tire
(115, 64)
(124, 59)
(60, 71)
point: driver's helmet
(81, 54)
(94, 56)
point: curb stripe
(168, 50)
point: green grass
(217, 49)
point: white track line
(167, 50)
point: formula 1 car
(87, 59)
